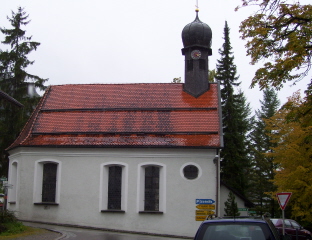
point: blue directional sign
(205, 201)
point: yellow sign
(200, 218)
(203, 212)
(206, 206)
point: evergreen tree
(231, 206)
(236, 122)
(14, 81)
(263, 166)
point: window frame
(38, 181)
(104, 178)
(141, 187)
(200, 172)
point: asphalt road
(87, 234)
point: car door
(297, 227)
(289, 229)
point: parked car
(292, 228)
(1, 200)
(239, 228)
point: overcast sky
(102, 41)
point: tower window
(189, 65)
(202, 64)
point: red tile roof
(124, 115)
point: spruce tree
(231, 208)
(236, 121)
(14, 81)
(263, 167)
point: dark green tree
(262, 172)
(236, 121)
(231, 206)
(14, 80)
(211, 76)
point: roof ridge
(80, 84)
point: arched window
(151, 191)
(113, 187)
(152, 188)
(47, 182)
(12, 196)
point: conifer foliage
(262, 171)
(236, 122)
(231, 208)
(14, 81)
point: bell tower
(196, 38)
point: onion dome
(197, 33)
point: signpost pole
(283, 216)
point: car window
(234, 231)
(295, 224)
(273, 229)
(287, 224)
(274, 221)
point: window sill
(112, 211)
(151, 212)
(46, 203)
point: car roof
(236, 219)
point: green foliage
(8, 229)
(262, 170)
(9, 224)
(291, 130)
(231, 208)
(235, 113)
(7, 216)
(176, 80)
(279, 33)
(13, 81)
(211, 76)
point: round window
(190, 172)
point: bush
(9, 224)
(7, 216)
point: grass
(11, 228)
(25, 232)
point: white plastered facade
(81, 192)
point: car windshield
(234, 231)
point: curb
(101, 229)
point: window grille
(49, 182)
(151, 196)
(190, 172)
(114, 188)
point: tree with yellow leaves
(280, 33)
(291, 130)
